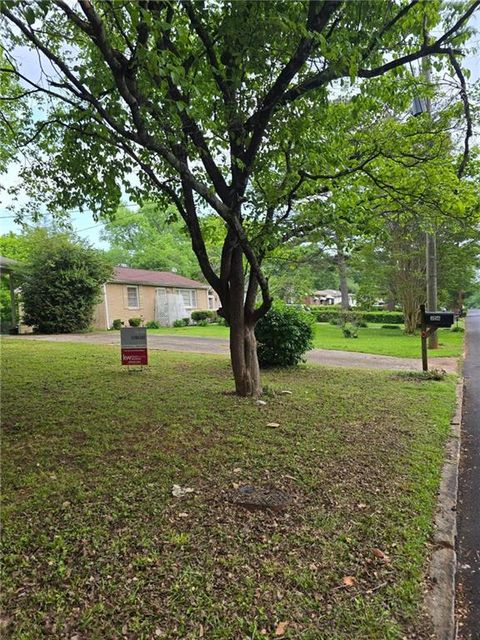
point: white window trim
(190, 290)
(133, 286)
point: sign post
(133, 343)
(430, 321)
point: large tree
(198, 100)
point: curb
(440, 600)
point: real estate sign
(133, 343)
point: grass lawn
(372, 339)
(96, 547)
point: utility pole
(431, 241)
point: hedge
(381, 317)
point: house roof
(125, 275)
(333, 293)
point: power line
(126, 206)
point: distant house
(152, 295)
(328, 297)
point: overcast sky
(84, 223)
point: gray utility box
(439, 318)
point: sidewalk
(468, 522)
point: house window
(211, 299)
(189, 298)
(132, 298)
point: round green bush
(134, 322)
(198, 316)
(153, 324)
(284, 335)
(350, 330)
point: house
(163, 296)
(328, 297)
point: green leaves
(30, 15)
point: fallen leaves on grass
(381, 555)
(281, 628)
(349, 581)
(179, 492)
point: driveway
(163, 342)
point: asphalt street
(468, 517)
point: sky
(83, 223)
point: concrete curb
(440, 599)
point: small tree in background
(63, 284)
(284, 335)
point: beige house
(152, 295)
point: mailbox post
(430, 321)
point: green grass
(371, 339)
(387, 342)
(95, 546)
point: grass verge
(96, 546)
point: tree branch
(467, 112)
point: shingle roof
(126, 275)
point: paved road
(220, 346)
(468, 523)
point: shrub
(178, 323)
(203, 323)
(63, 284)
(390, 326)
(186, 322)
(117, 324)
(383, 317)
(284, 335)
(350, 330)
(198, 316)
(457, 329)
(222, 321)
(134, 322)
(153, 324)
(328, 314)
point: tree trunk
(410, 312)
(243, 344)
(243, 352)
(342, 274)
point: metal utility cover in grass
(263, 498)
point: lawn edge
(440, 597)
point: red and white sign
(134, 356)
(133, 341)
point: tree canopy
(250, 110)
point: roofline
(158, 284)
